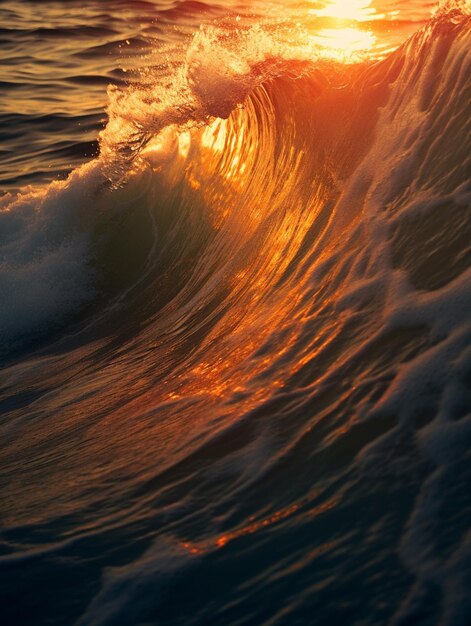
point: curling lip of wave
(215, 79)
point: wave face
(237, 348)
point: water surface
(235, 323)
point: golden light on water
(346, 35)
(344, 44)
(359, 10)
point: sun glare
(343, 33)
(344, 44)
(358, 10)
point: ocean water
(235, 313)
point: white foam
(44, 249)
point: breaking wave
(243, 330)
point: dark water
(236, 315)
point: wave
(150, 125)
(265, 274)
